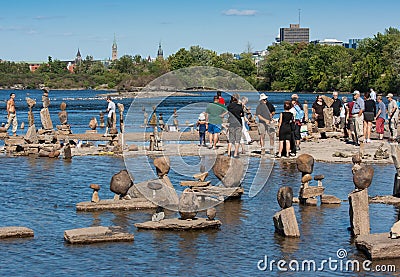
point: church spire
(78, 58)
(160, 53)
(114, 50)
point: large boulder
(93, 123)
(121, 182)
(305, 163)
(285, 197)
(362, 177)
(162, 165)
(229, 171)
(188, 204)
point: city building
(294, 34)
(114, 48)
(331, 41)
(353, 43)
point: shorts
(214, 128)
(235, 133)
(263, 129)
(380, 125)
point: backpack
(299, 113)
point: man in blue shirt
(380, 117)
(358, 117)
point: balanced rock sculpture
(285, 197)
(121, 182)
(162, 165)
(305, 163)
(211, 213)
(188, 204)
(229, 171)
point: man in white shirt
(111, 114)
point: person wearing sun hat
(265, 112)
(393, 115)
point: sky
(32, 30)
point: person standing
(111, 114)
(235, 124)
(12, 115)
(202, 125)
(380, 117)
(214, 114)
(393, 115)
(343, 115)
(372, 94)
(299, 118)
(265, 112)
(245, 133)
(221, 100)
(337, 107)
(369, 115)
(318, 113)
(358, 117)
(286, 121)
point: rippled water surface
(42, 193)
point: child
(202, 126)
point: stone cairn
(120, 184)
(285, 221)
(176, 122)
(64, 128)
(102, 120)
(47, 124)
(358, 199)
(95, 194)
(188, 204)
(31, 134)
(121, 109)
(92, 125)
(308, 194)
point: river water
(41, 194)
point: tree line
(287, 67)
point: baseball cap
(356, 92)
(263, 96)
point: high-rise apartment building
(294, 34)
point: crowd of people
(355, 118)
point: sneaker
(368, 140)
(278, 155)
(292, 154)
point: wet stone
(121, 182)
(285, 197)
(362, 177)
(305, 163)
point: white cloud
(240, 12)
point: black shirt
(235, 114)
(336, 106)
(370, 106)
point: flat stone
(212, 191)
(15, 232)
(319, 177)
(330, 200)
(195, 184)
(94, 186)
(385, 199)
(177, 224)
(311, 191)
(285, 223)
(111, 204)
(133, 147)
(97, 234)
(379, 246)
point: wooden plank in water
(97, 234)
(111, 204)
(15, 232)
(177, 224)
